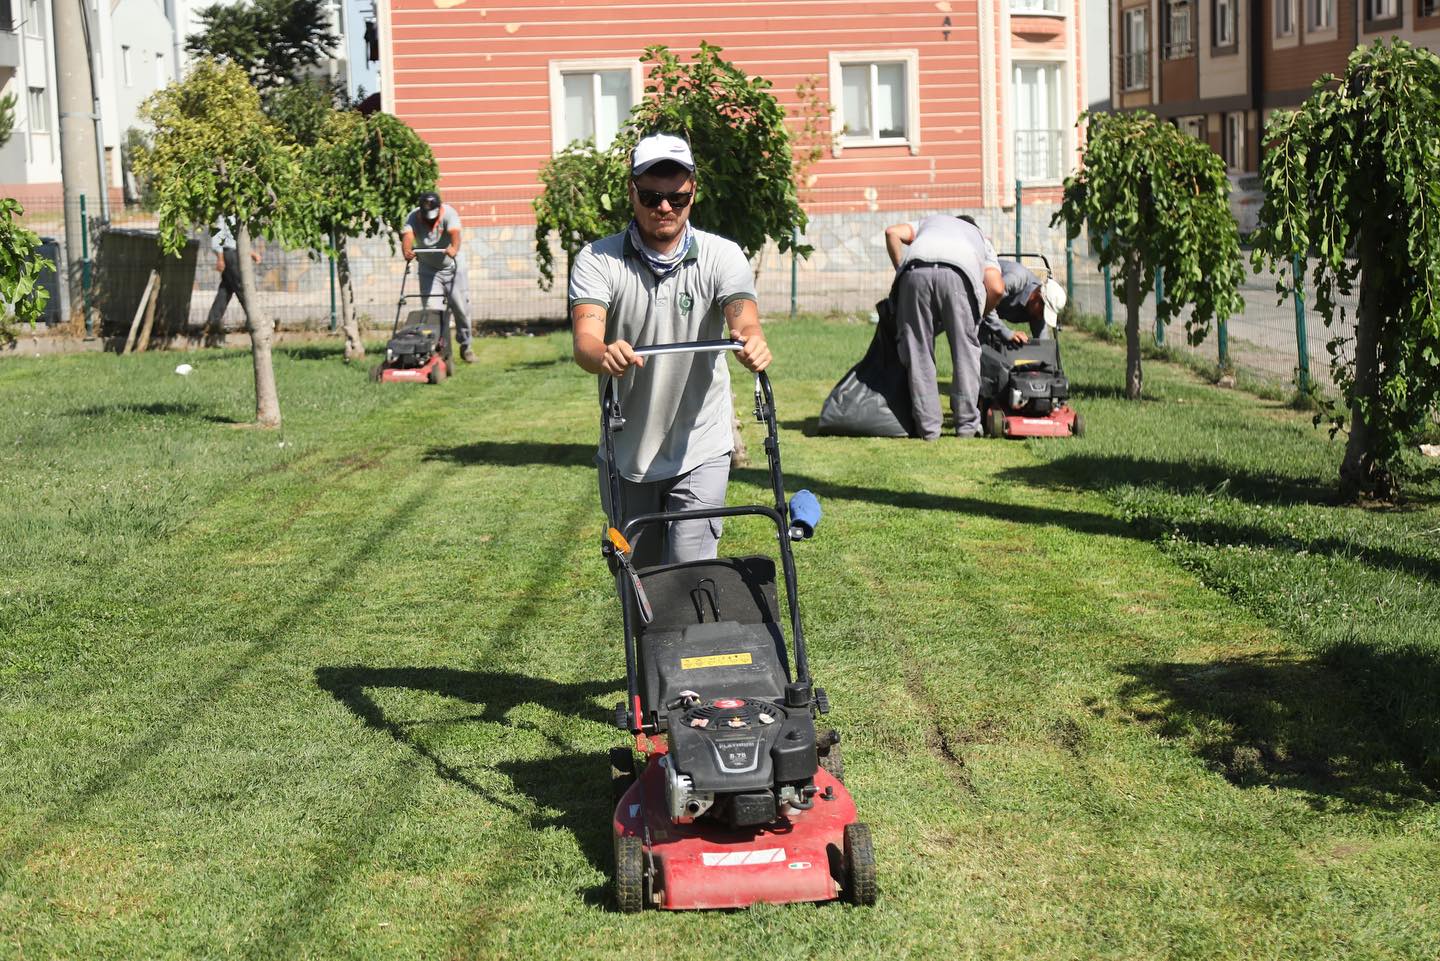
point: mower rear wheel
(630, 874)
(995, 422)
(622, 772)
(376, 371)
(832, 763)
(859, 865)
(1078, 428)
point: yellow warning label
(714, 660)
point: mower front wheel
(376, 371)
(630, 874)
(1078, 428)
(995, 422)
(859, 865)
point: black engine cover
(737, 745)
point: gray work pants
(229, 287)
(451, 280)
(929, 300)
(703, 486)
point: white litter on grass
(1430, 450)
(184, 370)
(282, 444)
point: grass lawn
(344, 691)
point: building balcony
(1135, 70)
(1039, 155)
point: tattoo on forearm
(734, 309)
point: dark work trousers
(229, 287)
(930, 299)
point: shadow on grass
(164, 409)
(515, 454)
(1105, 471)
(570, 789)
(1356, 726)
(329, 350)
(809, 426)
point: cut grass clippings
(344, 690)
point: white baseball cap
(657, 147)
(1054, 297)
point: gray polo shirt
(1020, 283)
(432, 237)
(678, 410)
(943, 239)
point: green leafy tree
(214, 155)
(273, 41)
(745, 187)
(1352, 189)
(302, 109)
(21, 296)
(20, 292)
(361, 178)
(1156, 201)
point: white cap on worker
(1054, 296)
(658, 147)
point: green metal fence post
(332, 291)
(1224, 338)
(1018, 224)
(1069, 269)
(85, 268)
(1302, 343)
(1159, 299)
(794, 271)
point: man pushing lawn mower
(436, 226)
(736, 798)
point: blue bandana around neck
(662, 264)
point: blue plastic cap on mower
(804, 515)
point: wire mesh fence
(848, 270)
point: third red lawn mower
(729, 796)
(419, 351)
(1023, 390)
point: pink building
(949, 100)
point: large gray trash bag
(873, 398)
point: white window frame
(558, 70)
(1036, 8)
(1284, 9)
(911, 61)
(37, 117)
(1063, 90)
(34, 19)
(1224, 23)
(1174, 49)
(1129, 55)
(1382, 9)
(1233, 130)
(1321, 15)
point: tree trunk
(262, 334)
(1134, 380)
(354, 347)
(1363, 472)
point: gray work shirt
(678, 410)
(943, 239)
(432, 235)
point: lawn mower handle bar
(689, 347)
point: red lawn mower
(1023, 390)
(418, 352)
(729, 796)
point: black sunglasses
(679, 199)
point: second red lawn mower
(1023, 390)
(729, 795)
(419, 351)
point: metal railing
(1179, 38)
(1135, 70)
(1039, 154)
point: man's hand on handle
(619, 357)
(755, 355)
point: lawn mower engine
(739, 761)
(417, 342)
